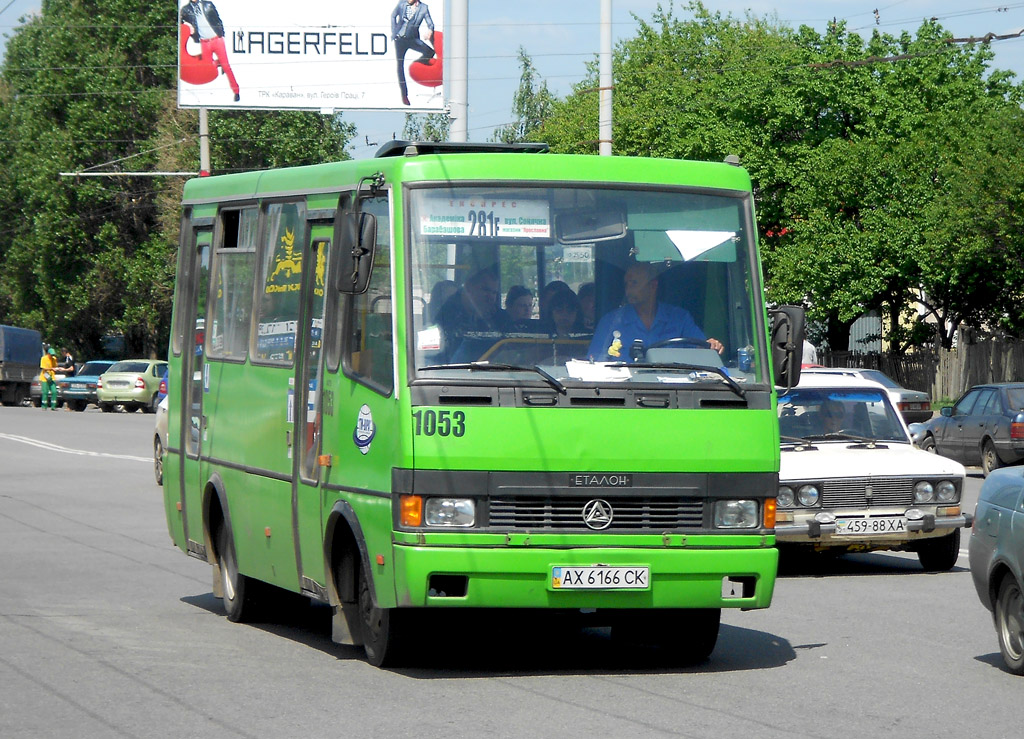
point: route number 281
(440, 423)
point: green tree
(429, 127)
(531, 104)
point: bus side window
(234, 265)
(369, 346)
(279, 282)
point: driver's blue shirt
(623, 326)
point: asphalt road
(106, 630)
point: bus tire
(689, 635)
(238, 588)
(381, 628)
(697, 635)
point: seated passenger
(519, 306)
(550, 290)
(439, 294)
(832, 416)
(564, 315)
(644, 318)
(473, 310)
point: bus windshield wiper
(720, 371)
(492, 367)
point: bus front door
(308, 418)
(191, 384)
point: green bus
(356, 416)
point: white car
(852, 480)
(160, 440)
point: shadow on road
(804, 563)
(502, 643)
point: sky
(562, 35)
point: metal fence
(945, 374)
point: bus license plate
(870, 526)
(600, 578)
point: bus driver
(644, 318)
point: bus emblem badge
(365, 429)
(597, 514)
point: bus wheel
(380, 627)
(688, 634)
(238, 589)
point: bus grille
(555, 514)
(852, 492)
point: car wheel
(153, 403)
(989, 458)
(107, 407)
(928, 444)
(158, 460)
(1009, 618)
(382, 632)
(37, 402)
(940, 554)
(77, 405)
(239, 590)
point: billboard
(315, 55)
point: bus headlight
(924, 492)
(736, 514)
(945, 491)
(450, 512)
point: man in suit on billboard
(406, 19)
(208, 32)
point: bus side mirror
(787, 345)
(358, 242)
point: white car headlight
(785, 497)
(451, 512)
(736, 514)
(924, 492)
(808, 495)
(945, 491)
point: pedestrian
(47, 380)
(67, 364)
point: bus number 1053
(441, 423)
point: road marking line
(67, 450)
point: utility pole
(605, 89)
(204, 144)
(458, 59)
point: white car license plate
(871, 526)
(600, 578)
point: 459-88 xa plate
(600, 577)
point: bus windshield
(593, 285)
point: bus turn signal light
(411, 510)
(769, 513)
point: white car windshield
(829, 413)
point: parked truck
(20, 349)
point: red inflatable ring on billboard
(429, 73)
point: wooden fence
(945, 374)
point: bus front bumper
(522, 577)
